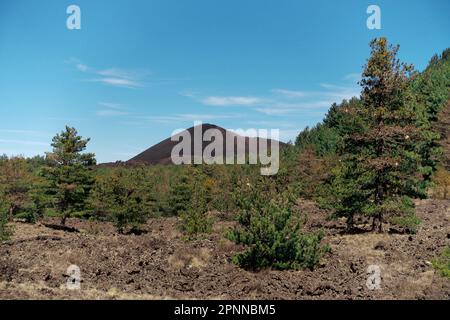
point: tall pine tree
(380, 165)
(69, 174)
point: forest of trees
(369, 158)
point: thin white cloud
(313, 104)
(117, 82)
(353, 77)
(110, 113)
(290, 93)
(111, 105)
(82, 67)
(187, 93)
(24, 142)
(274, 111)
(282, 108)
(115, 77)
(30, 133)
(118, 73)
(270, 123)
(232, 101)
(110, 109)
(285, 101)
(189, 117)
(339, 93)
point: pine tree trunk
(377, 223)
(11, 213)
(63, 220)
(350, 223)
(380, 221)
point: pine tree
(431, 90)
(271, 232)
(385, 154)
(69, 173)
(442, 126)
(118, 197)
(194, 220)
(180, 195)
(345, 194)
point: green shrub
(410, 223)
(17, 186)
(402, 214)
(27, 216)
(118, 198)
(6, 230)
(342, 194)
(179, 196)
(195, 220)
(441, 184)
(34, 210)
(442, 263)
(271, 233)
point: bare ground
(161, 265)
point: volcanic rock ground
(161, 265)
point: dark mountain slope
(161, 152)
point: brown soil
(161, 265)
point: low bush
(271, 232)
(194, 221)
(118, 198)
(402, 213)
(441, 184)
(6, 230)
(442, 263)
(179, 195)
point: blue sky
(137, 70)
